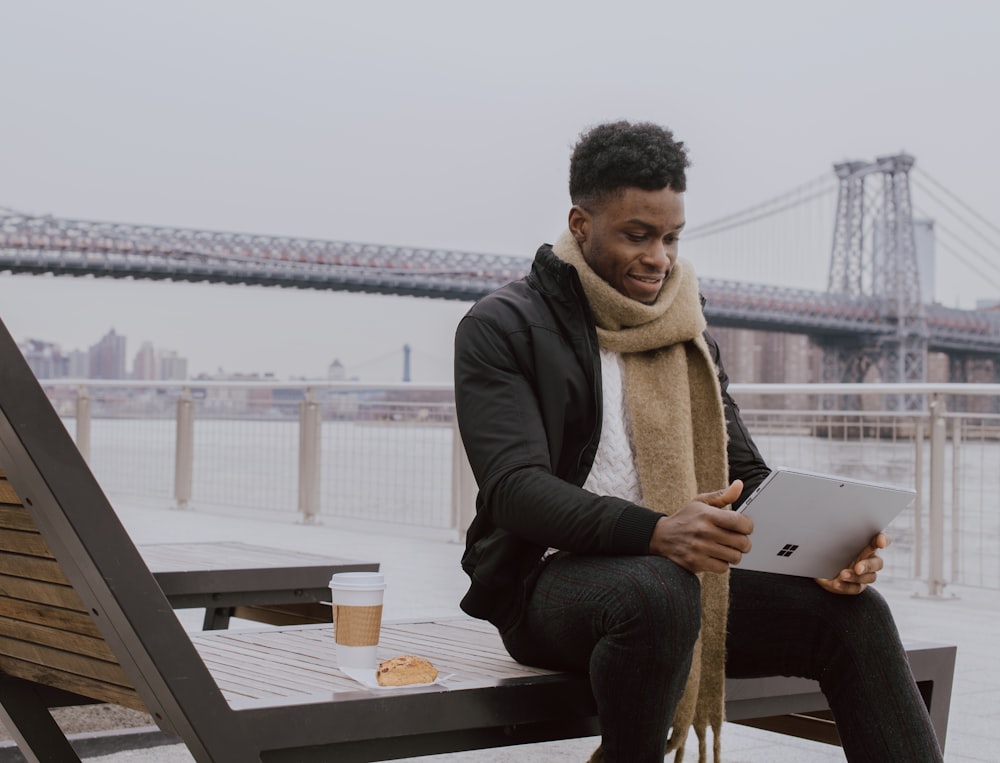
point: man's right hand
(704, 536)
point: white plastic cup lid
(358, 581)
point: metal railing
(364, 455)
(947, 447)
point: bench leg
(31, 724)
(216, 618)
(935, 666)
(936, 670)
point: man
(595, 413)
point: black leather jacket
(528, 399)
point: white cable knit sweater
(614, 471)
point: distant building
(151, 364)
(79, 364)
(107, 357)
(925, 242)
(770, 357)
(45, 359)
(145, 366)
(172, 367)
(336, 371)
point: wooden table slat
(256, 664)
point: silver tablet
(815, 525)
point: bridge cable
(984, 258)
(972, 211)
(971, 266)
(958, 217)
(716, 226)
(414, 351)
(705, 228)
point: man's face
(630, 239)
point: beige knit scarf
(679, 435)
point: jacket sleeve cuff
(634, 530)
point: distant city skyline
(109, 358)
(106, 358)
(289, 333)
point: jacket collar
(551, 275)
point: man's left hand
(862, 572)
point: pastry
(405, 670)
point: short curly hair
(617, 155)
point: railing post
(184, 452)
(310, 423)
(918, 506)
(83, 422)
(956, 503)
(935, 530)
(463, 485)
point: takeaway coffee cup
(357, 617)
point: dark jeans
(631, 623)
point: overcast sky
(439, 124)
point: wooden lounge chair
(82, 619)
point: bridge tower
(874, 255)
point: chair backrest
(46, 633)
(66, 533)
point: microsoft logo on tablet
(789, 549)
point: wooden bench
(83, 620)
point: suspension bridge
(846, 258)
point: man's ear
(579, 223)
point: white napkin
(366, 677)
